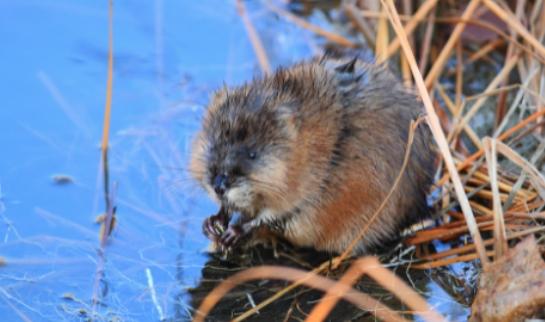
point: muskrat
(310, 152)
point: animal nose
(220, 184)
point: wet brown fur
(330, 139)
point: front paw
(215, 226)
(230, 237)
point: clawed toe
(214, 226)
(230, 236)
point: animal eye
(252, 155)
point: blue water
(168, 57)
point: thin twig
(254, 39)
(447, 49)
(437, 131)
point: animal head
(241, 154)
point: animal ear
(347, 67)
(349, 75)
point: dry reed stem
(109, 82)
(411, 25)
(449, 261)
(372, 267)
(443, 234)
(458, 20)
(467, 257)
(468, 161)
(361, 300)
(254, 39)
(333, 37)
(436, 127)
(494, 92)
(456, 110)
(523, 194)
(485, 50)
(481, 209)
(512, 21)
(523, 47)
(471, 247)
(486, 194)
(437, 67)
(512, 40)
(459, 74)
(377, 15)
(500, 235)
(360, 24)
(382, 39)
(535, 176)
(354, 242)
(405, 69)
(502, 75)
(426, 44)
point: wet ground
(168, 57)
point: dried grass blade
(500, 235)
(503, 74)
(411, 25)
(501, 137)
(311, 279)
(360, 24)
(436, 129)
(372, 267)
(535, 176)
(512, 21)
(455, 35)
(343, 41)
(382, 39)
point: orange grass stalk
(467, 162)
(502, 75)
(382, 39)
(311, 279)
(512, 21)
(449, 261)
(445, 53)
(106, 226)
(331, 36)
(372, 267)
(436, 128)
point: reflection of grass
(488, 200)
